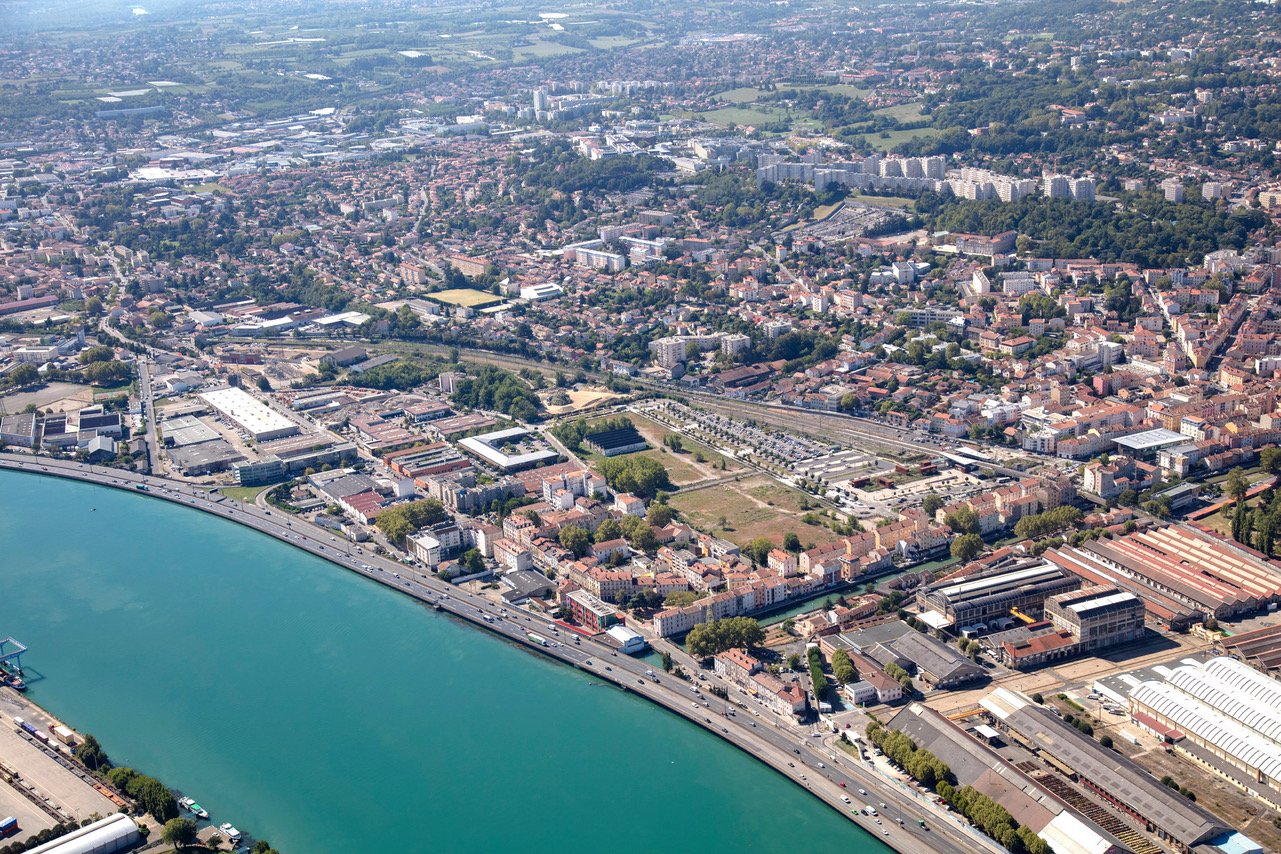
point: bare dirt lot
(60, 397)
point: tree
(95, 354)
(640, 476)
(1237, 485)
(575, 539)
(24, 374)
(159, 320)
(90, 753)
(264, 384)
(1127, 498)
(1106, 741)
(794, 661)
(474, 561)
(179, 832)
(967, 547)
(932, 504)
(608, 530)
(963, 521)
(758, 550)
(674, 442)
(719, 635)
(1270, 460)
(843, 667)
(659, 515)
(666, 660)
(791, 542)
(93, 306)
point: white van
(869, 809)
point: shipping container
(65, 735)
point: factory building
(1222, 715)
(258, 421)
(1109, 775)
(991, 594)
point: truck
(538, 639)
(141, 486)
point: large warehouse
(1180, 570)
(1107, 773)
(1223, 715)
(102, 837)
(989, 595)
(257, 420)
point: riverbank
(774, 747)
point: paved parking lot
(61, 787)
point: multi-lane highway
(833, 777)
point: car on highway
(607, 667)
(862, 791)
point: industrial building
(611, 443)
(1081, 621)
(937, 664)
(258, 421)
(1098, 617)
(1221, 714)
(1184, 575)
(111, 834)
(1027, 799)
(508, 450)
(991, 594)
(1109, 775)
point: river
(326, 713)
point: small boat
(192, 807)
(230, 832)
(15, 683)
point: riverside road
(793, 752)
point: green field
(891, 138)
(464, 296)
(880, 201)
(834, 88)
(903, 112)
(742, 95)
(743, 116)
(243, 493)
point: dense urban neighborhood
(904, 379)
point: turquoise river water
(328, 714)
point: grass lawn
(743, 116)
(540, 49)
(747, 511)
(903, 112)
(880, 201)
(835, 88)
(464, 296)
(742, 95)
(683, 468)
(243, 493)
(892, 138)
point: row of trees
(1049, 522)
(983, 812)
(151, 794)
(816, 672)
(710, 638)
(843, 667)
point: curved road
(807, 761)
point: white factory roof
(241, 407)
(1237, 691)
(110, 834)
(1211, 726)
(1067, 834)
(487, 446)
